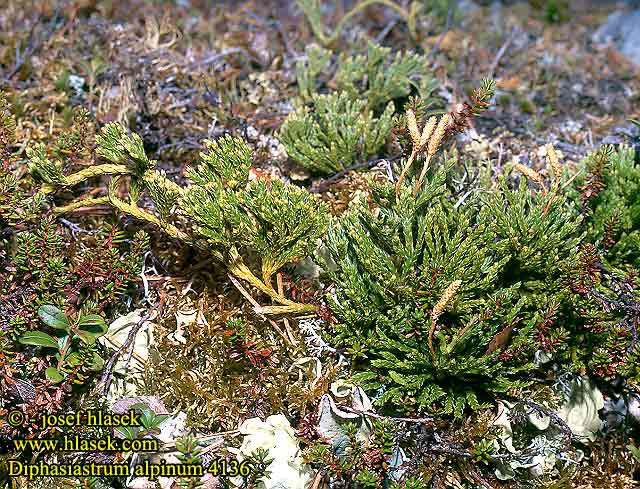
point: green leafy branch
(74, 342)
(227, 215)
(150, 423)
(336, 133)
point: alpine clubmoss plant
(336, 133)
(376, 76)
(417, 288)
(327, 133)
(225, 213)
(423, 280)
(435, 131)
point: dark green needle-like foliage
(609, 191)
(443, 303)
(334, 132)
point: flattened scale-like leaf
(40, 164)
(227, 159)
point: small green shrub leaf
(54, 317)
(93, 324)
(73, 359)
(39, 338)
(54, 375)
(97, 363)
(87, 337)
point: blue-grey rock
(622, 28)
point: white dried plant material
(539, 420)
(504, 471)
(316, 345)
(341, 389)
(252, 133)
(550, 449)
(542, 462)
(154, 403)
(129, 369)
(277, 152)
(361, 402)
(580, 411)
(77, 83)
(503, 423)
(538, 465)
(119, 330)
(307, 365)
(398, 459)
(633, 407)
(331, 421)
(332, 417)
(478, 144)
(275, 434)
(173, 428)
(183, 320)
(540, 357)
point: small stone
(633, 408)
(623, 30)
(77, 83)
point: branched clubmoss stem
(423, 174)
(405, 170)
(81, 203)
(85, 174)
(237, 267)
(138, 213)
